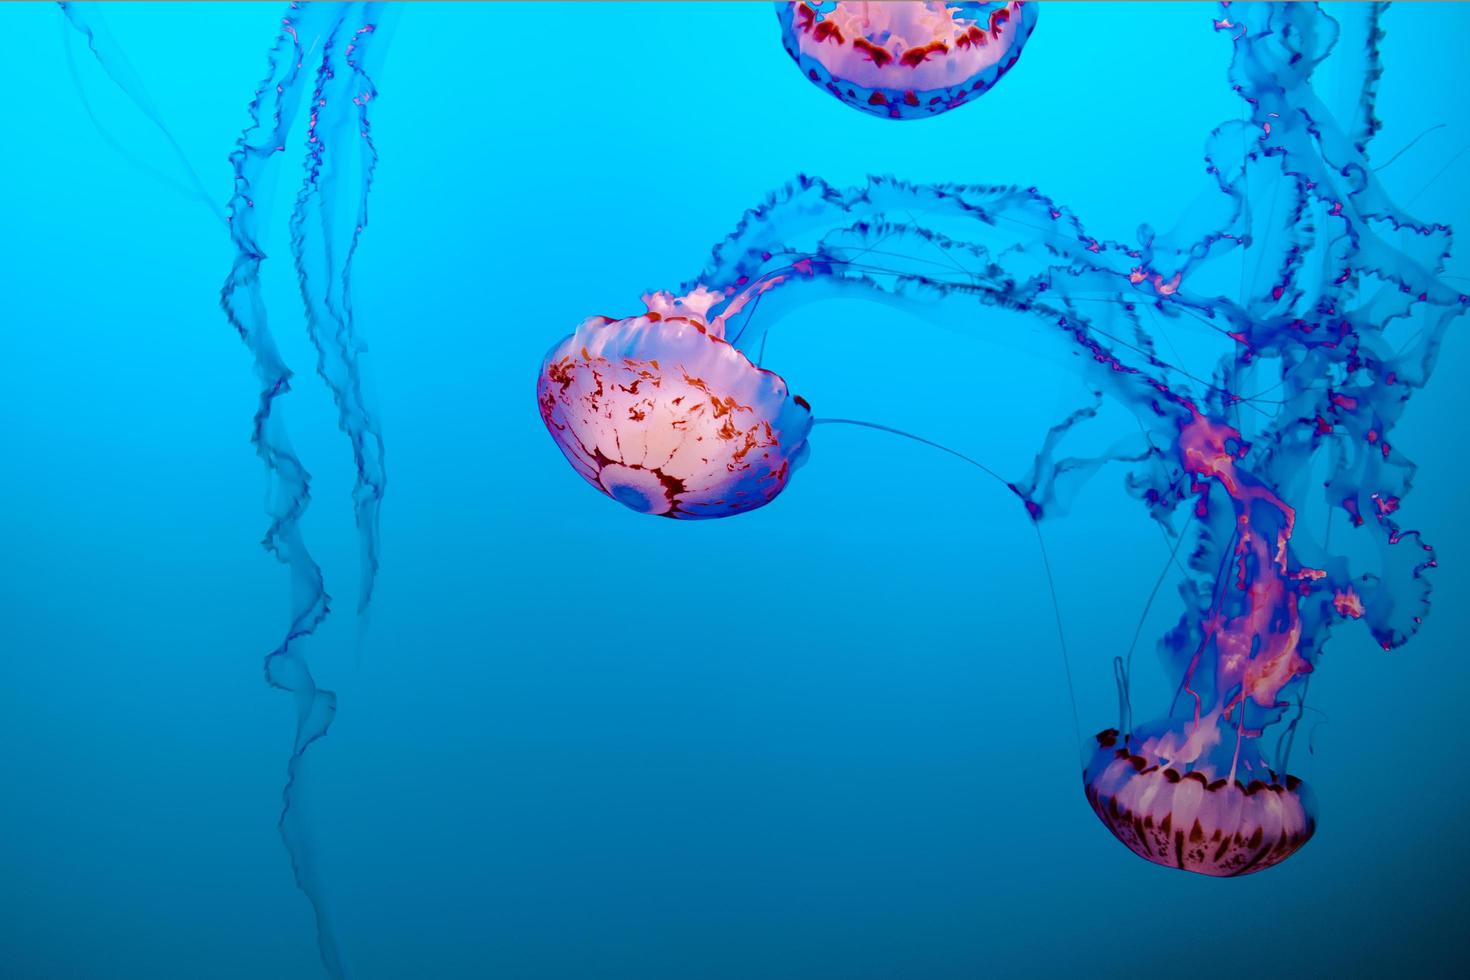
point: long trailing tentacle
(274, 108)
(326, 225)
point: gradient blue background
(828, 740)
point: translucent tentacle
(277, 101)
(87, 20)
(330, 213)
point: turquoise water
(830, 739)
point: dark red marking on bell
(877, 55)
(826, 29)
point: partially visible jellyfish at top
(905, 59)
(314, 100)
(1274, 477)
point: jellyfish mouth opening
(1193, 819)
(637, 488)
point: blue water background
(830, 739)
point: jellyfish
(1326, 305)
(905, 60)
(318, 88)
(666, 417)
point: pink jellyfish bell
(665, 416)
(1171, 798)
(905, 60)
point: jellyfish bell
(1189, 796)
(905, 60)
(665, 416)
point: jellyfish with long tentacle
(318, 87)
(906, 59)
(1326, 306)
